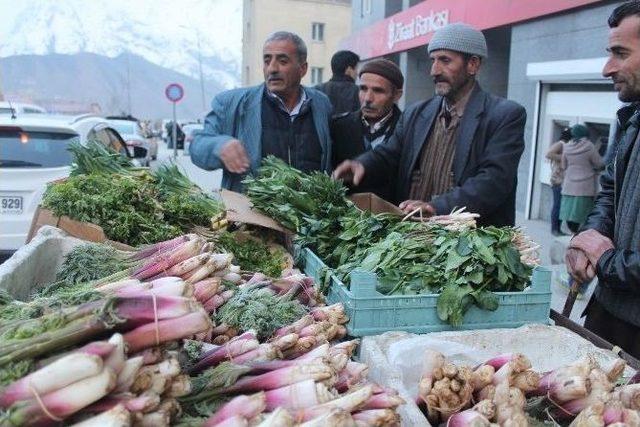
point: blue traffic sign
(174, 92)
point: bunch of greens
(94, 157)
(252, 254)
(88, 262)
(259, 309)
(464, 266)
(132, 206)
(126, 207)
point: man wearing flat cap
(460, 148)
(380, 87)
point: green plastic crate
(371, 313)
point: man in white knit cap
(460, 148)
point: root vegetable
(377, 417)
(468, 418)
(615, 371)
(334, 418)
(487, 393)
(591, 416)
(518, 361)
(526, 381)
(482, 377)
(450, 370)
(128, 373)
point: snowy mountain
(171, 34)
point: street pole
(174, 135)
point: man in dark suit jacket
(354, 133)
(341, 88)
(460, 148)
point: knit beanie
(579, 131)
(384, 68)
(459, 37)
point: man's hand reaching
(350, 171)
(234, 156)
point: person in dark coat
(354, 133)
(608, 244)
(341, 88)
(458, 149)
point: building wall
(263, 17)
(576, 34)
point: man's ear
(397, 95)
(303, 69)
(473, 65)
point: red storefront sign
(415, 26)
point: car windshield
(124, 128)
(34, 149)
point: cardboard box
(240, 209)
(371, 202)
(81, 230)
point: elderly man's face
(377, 96)
(623, 66)
(451, 72)
(282, 68)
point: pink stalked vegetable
(244, 406)
(320, 351)
(295, 396)
(146, 402)
(349, 402)
(278, 418)
(167, 330)
(235, 421)
(383, 401)
(346, 347)
(64, 371)
(591, 416)
(62, 402)
(205, 289)
(280, 378)
(295, 327)
(118, 416)
(235, 347)
(302, 346)
(263, 352)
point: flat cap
(385, 68)
(459, 37)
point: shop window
(316, 75)
(317, 31)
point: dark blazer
(489, 144)
(342, 92)
(348, 143)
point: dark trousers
(616, 331)
(555, 209)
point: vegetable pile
(132, 205)
(181, 336)
(463, 264)
(505, 390)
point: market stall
(189, 312)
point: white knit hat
(460, 38)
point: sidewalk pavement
(551, 248)
(552, 256)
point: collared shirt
(296, 109)
(376, 133)
(433, 175)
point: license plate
(10, 205)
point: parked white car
(143, 148)
(34, 152)
(20, 108)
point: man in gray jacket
(280, 118)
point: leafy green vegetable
(259, 309)
(253, 255)
(464, 266)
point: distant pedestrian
(341, 88)
(581, 164)
(554, 154)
